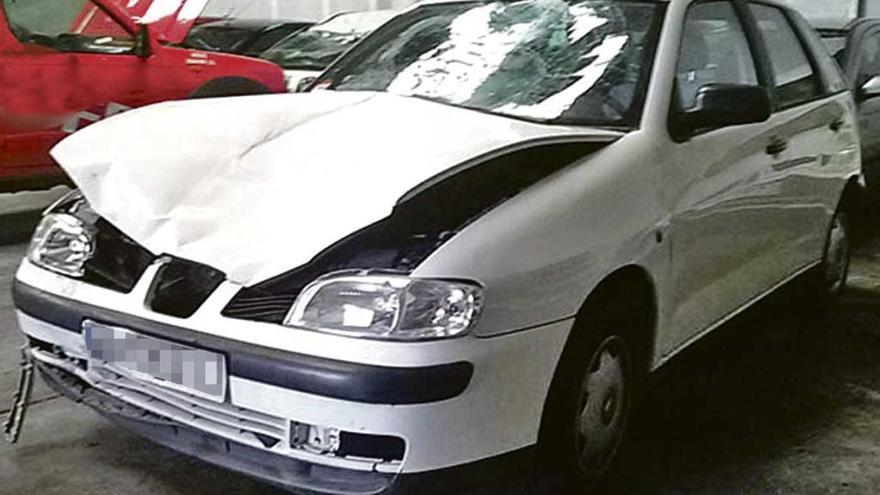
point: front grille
(254, 304)
(118, 261)
(246, 426)
(180, 287)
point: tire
(229, 86)
(828, 281)
(589, 407)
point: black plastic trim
(320, 376)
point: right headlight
(62, 243)
(390, 307)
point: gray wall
(298, 9)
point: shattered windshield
(317, 47)
(578, 61)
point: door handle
(836, 125)
(777, 146)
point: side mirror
(870, 89)
(142, 46)
(723, 105)
(305, 83)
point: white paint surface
(256, 186)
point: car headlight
(62, 243)
(392, 307)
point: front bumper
(461, 406)
(291, 474)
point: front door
(722, 234)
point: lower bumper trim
(291, 474)
(509, 469)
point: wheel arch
(853, 195)
(629, 288)
(853, 202)
(629, 291)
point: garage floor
(771, 404)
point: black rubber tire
(558, 471)
(229, 86)
(824, 296)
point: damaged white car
(468, 245)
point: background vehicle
(64, 65)
(471, 248)
(249, 37)
(854, 41)
(305, 54)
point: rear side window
(795, 79)
(714, 50)
(825, 57)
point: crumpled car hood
(259, 185)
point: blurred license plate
(196, 371)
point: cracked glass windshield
(577, 62)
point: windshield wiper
(532, 120)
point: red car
(66, 64)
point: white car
(467, 247)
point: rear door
(810, 115)
(71, 64)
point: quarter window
(794, 77)
(714, 50)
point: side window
(795, 79)
(868, 62)
(67, 26)
(714, 49)
(831, 73)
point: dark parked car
(851, 29)
(305, 54)
(243, 36)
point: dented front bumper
(293, 474)
(410, 412)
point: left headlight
(391, 307)
(62, 243)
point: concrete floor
(773, 403)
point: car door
(806, 123)
(721, 180)
(72, 64)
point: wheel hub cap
(837, 255)
(603, 406)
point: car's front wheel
(589, 407)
